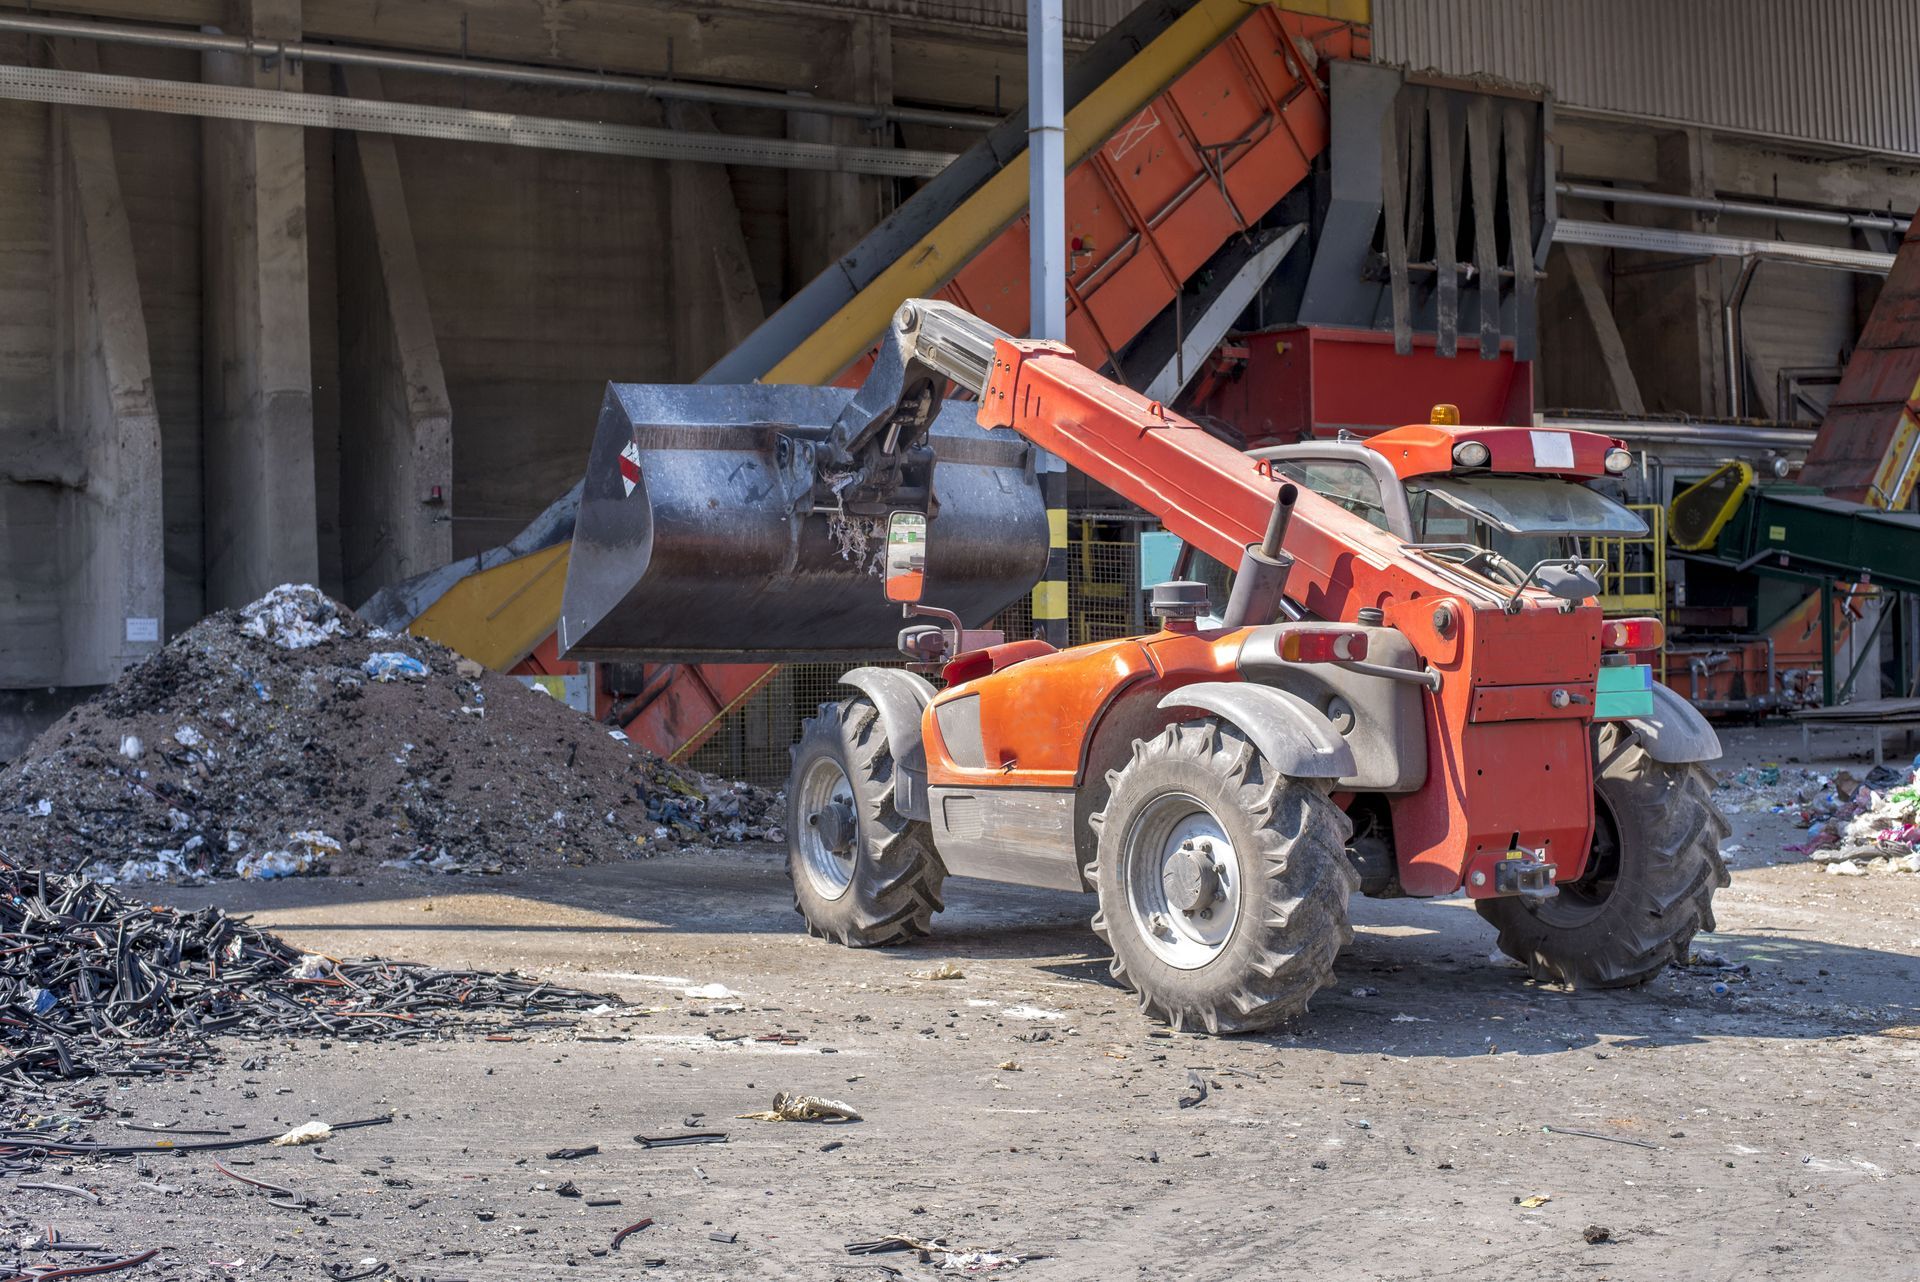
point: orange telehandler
(1408, 688)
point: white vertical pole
(1047, 275)
(1047, 170)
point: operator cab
(1510, 504)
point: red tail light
(1632, 634)
(1323, 645)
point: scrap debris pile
(92, 982)
(291, 736)
(1854, 826)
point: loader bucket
(697, 540)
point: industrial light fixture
(1471, 454)
(1619, 460)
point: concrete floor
(1397, 1133)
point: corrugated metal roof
(1083, 20)
(1826, 71)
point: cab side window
(1351, 485)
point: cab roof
(1426, 449)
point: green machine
(1796, 533)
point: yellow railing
(1635, 578)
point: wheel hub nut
(836, 825)
(1192, 878)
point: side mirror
(1569, 582)
(906, 556)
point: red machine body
(1278, 386)
(1508, 764)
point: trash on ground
(391, 665)
(681, 1141)
(936, 1251)
(790, 1107)
(1534, 1202)
(1854, 827)
(1596, 1135)
(310, 1133)
(1196, 1092)
(269, 721)
(96, 982)
(945, 970)
(628, 1232)
(294, 616)
(306, 852)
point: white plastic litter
(975, 1262)
(790, 1107)
(294, 616)
(391, 665)
(309, 849)
(310, 1133)
(164, 866)
(312, 966)
(132, 747)
(188, 737)
(42, 808)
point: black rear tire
(883, 885)
(1648, 887)
(1290, 877)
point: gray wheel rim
(1183, 880)
(823, 784)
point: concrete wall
(40, 469)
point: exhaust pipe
(1261, 583)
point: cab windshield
(1526, 519)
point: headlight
(1471, 454)
(1619, 460)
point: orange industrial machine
(1407, 690)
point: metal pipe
(1046, 169)
(1736, 363)
(1047, 272)
(1278, 521)
(1742, 208)
(346, 55)
(1738, 435)
(335, 111)
(1666, 240)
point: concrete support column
(259, 456)
(715, 300)
(827, 214)
(111, 537)
(396, 422)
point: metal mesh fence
(1104, 602)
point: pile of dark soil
(292, 736)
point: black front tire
(885, 888)
(1648, 887)
(1288, 841)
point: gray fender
(901, 697)
(1676, 732)
(1288, 731)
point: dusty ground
(1394, 1134)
